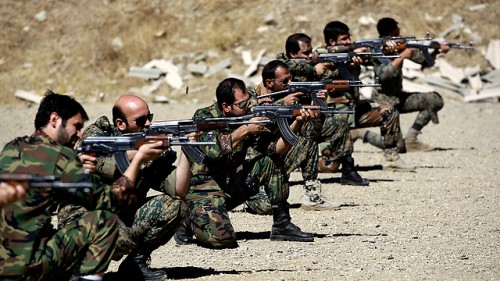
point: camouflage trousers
(209, 201)
(86, 243)
(148, 227)
(368, 114)
(427, 105)
(305, 154)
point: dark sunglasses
(284, 81)
(246, 103)
(141, 121)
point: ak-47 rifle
(427, 43)
(174, 132)
(340, 60)
(47, 181)
(311, 88)
(280, 115)
(376, 46)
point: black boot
(283, 229)
(349, 174)
(136, 267)
(184, 235)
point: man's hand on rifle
(255, 128)
(292, 99)
(306, 115)
(10, 192)
(89, 162)
(151, 151)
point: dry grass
(72, 50)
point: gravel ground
(439, 223)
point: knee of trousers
(438, 102)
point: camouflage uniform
(30, 248)
(391, 92)
(304, 154)
(227, 179)
(153, 221)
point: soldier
(30, 248)
(391, 91)
(153, 221)
(304, 154)
(227, 178)
(368, 113)
(298, 52)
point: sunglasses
(246, 103)
(141, 121)
(284, 81)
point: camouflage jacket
(262, 90)
(302, 72)
(154, 174)
(391, 80)
(222, 159)
(26, 224)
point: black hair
(269, 71)
(226, 89)
(385, 26)
(333, 30)
(65, 106)
(292, 43)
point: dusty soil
(440, 223)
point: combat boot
(283, 229)
(349, 174)
(136, 267)
(392, 162)
(413, 144)
(313, 200)
(184, 235)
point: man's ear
(53, 119)
(292, 55)
(226, 107)
(121, 124)
(332, 42)
(268, 83)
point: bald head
(129, 114)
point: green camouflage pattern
(391, 92)
(228, 178)
(30, 248)
(152, 221)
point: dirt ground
(439, 223)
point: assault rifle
(375, 44)
(311, 88)
(425, 44)
(172, 131)
(280, 115)
(48, 181)
(340, 60)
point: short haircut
(385, 26)
(65, 106)
(226, 89)
(292, 43)
(118, 113)
(269, 71)
(333, 30)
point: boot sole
(317, 208)
(394, 169)
(288, 238)
(354, 183)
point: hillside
(86, 48)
